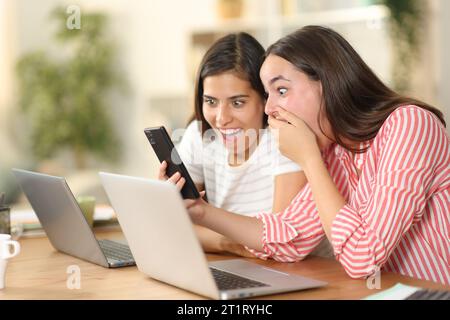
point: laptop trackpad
(257, 272)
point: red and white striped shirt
(397, 216)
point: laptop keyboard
(230, 281)
(429, 295)
(115, 250)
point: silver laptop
(162, 239)
(65, 224)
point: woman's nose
(270, 106)
(223, 115)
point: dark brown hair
(239, 53)
(356, 102)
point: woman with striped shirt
(377, 164)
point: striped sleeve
(293, 233)
(407, 151)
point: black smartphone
(165, 151)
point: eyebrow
(280, 77)
(230, 98)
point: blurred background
(80, 80)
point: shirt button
(359, 162)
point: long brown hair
(356, 102)
(237, 52)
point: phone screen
(165, 151)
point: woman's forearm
(209, 239)
(326, 195)
(213, 242)
(287, 186)
(247, 231)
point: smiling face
(234, 109)
(293, 90)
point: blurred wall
(151, 36)
(444, 58)
(152, 39)
(7, 57)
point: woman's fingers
(175, 178)
(276, 124)
(180, 183)
(287, 116)
(162, 171)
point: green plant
(407, 22)
(64, 101)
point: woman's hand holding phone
(176, 179)
(197, 208)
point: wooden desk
(39, 272)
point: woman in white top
(228, 151)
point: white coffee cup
(6, 244)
